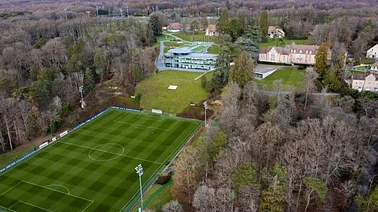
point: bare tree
(309, 83)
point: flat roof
(180, 51)
(198, 55)
(264, 68)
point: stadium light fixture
(81, 94)
(139, 171)
(205, 106)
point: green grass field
(93, 168)
(214, 49)
(200, 36)
(155, 93)
(272, 42)
(290, 76)
(200, 48)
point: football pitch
(93, 167)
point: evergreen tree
(222, 67)
(155, 25)
(243, 71)
(316, 190)
(246, 174)
(234, 29)
(223, 22)
(321, 59)
(263, 23)
(368, 203)
(273, 197)
(100, 64)
(332, 81)
(41, 89)
(89, 79)
(250, 42)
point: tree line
(44, 62)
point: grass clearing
(273, 42)
(200, 36)
(92, 168)
(155, 93)
(165, 38)
(290, 76)
(363, 67)
(200, 48)
(214, 49)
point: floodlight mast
(139, 171)
(205, 106)
(81, 94)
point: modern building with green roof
(185, 58)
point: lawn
(165, 38)
(92, 168)
(155, 93)
(200, 36)
(363, 67)
(290, 76)
(200, 48)
(214, 49)
(273, 42)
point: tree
(222, 67)
(217, 145)
(204, 22)
(309, 83)
(172, 206)
(273, 197)
(223, 22)
(250, 41)
(228, 5)
(243, 71)
(316, 189)
(246, 175)
(155, 25)
(234, 29)
(100, 64)
(321, 59)
(194, 26)
(89, 79)
(332, 81)
(369, 202)
(186, 169)
(263, 23)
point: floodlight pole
(139, 171)
(205, 106)
(81, 94)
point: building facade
(372, 52)
(365, 82)
(374, 67)
(290, 54)
(211, 30)
(184, 58)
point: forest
(276, 151)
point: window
(272, 57)
(300, 51)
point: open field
(155, 93)
(290, 76)
(92, 168)
(273, 42)
(200, 36)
